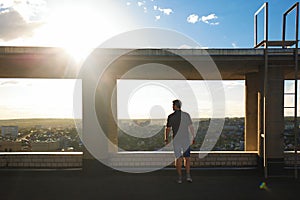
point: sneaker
(189, 178)
(179, 179)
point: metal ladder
(266, 43)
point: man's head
(177, 104)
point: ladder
(266, 43)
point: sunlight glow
(77, 28)
(41, 98)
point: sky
(36, 98)
(82, 24)
(66, 23)
(195, 96)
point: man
(181, 124)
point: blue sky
(212, 23)
(77, 25)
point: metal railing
(283, 43)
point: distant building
(38, 127)
(9, 131)
(45, 146)
(9, 146)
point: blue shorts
(182, 149)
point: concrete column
(275, 114)
(251, 109)
(106, 109)
(260, 114)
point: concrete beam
(47, 62)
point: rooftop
(99, 182)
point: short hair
(177, 103)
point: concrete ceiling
(193, 64)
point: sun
(78, 28)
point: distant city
(231, 138)
(45, 135)
(39, 135)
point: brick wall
(289, 159)
(67, 160)
(55, 160)
(204, 159)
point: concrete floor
(99, 182)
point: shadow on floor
(99, 182)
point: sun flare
(77, 28)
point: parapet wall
(204, 159)
(289, 159)
(42, 160)
(74, 160)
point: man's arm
(192, 131)
(167, 132)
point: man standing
(181, 124)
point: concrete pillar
(275, 114)
(260, 113)
(272, 124)
(106, 109)
(251, 109)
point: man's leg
(187, 164)
(178, 163)
(178, 160)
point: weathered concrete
(251, 115)
(47, 62)
(233, 64)
(274, 114)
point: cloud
(193, 18)
(157, 17)
(5, 6)
(141, 3)
(145, 9)
(14, 26)
(128, 3)
(234, 45)
(166, 11)
(20, 18)
(207, 19)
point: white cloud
(193, 18)
(128, 3)
(207, 19)
(141, 3)
(29, 10)
(145, 9)
(166, 11)
(157, 17)
(234, 45)
(215, 23)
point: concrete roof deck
(100, 182)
